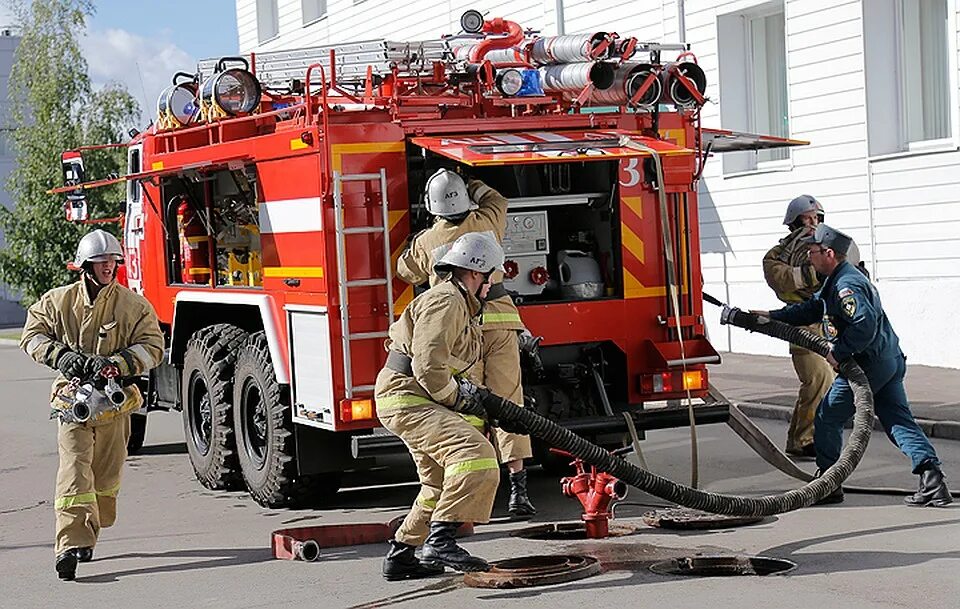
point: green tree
(54, 108)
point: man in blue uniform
(848, 306)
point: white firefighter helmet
(802, 205)
(98, 246)
(446, 195)
(472, 251)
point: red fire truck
(269, 202)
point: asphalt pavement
(178, 544)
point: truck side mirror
(73, 175)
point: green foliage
(53, 109)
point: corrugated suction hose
(559, 437)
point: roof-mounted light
(230, 91)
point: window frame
(303, 14)
(275, 10)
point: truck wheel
(206, 391)
(261, 412)
(138, 431)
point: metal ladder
(343, 282)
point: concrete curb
(948, 430)
(9, 341)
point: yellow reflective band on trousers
(475, 421)
(501, 318)
(68, 501)
(474, 465)
(113, 491)
(392, 402)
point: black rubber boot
(835, 497)
(84, 554)
(932, 491)
(402, 563)
(67, 565)
(441, 548)
(520, 506)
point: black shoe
(806, 452)
(442, 549)
(932, 491)
(84, 554)
(402, 563)
(835, 497)
(67, 565)
(520, 506)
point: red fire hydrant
(595, 490)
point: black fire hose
(503, 410)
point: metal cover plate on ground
(528, 571)
(712, 566)
(685, 518)
(565, 531)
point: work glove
(470, 399)
(530, 345)
(98, 363)
(727, 315)
(72, 364)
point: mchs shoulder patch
(845, 292)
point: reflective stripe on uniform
(392, 402)
(474, 465)
(69, 501)
(113, 491)
(475, 421)
(501, 318)
(428, 504)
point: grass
(10, 334)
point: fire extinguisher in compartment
(194, 245)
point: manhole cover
(685, 518)
(565, 531)
(529, 571)
(713, 566)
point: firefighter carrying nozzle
(87, 399)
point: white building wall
(902, 209)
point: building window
(924, 69)
(313, 10)
(910, 63)
(753, 81)
(268, 20)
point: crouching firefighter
(427, 395)
(466, 208)
(91, 329)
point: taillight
(356, 410)
(673, 381)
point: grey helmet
(446, 195)
(472, 251)
(802, 205)
(98, 246)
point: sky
(142, 43)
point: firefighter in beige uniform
(80, 329)
(789, 273)
(462, 209)
(425, 394)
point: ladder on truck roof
(343, 280)
(280, 68)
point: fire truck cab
(267, 207)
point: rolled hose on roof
(733, 505)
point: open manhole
(715, 566)
(528, 571)
(566, 531)
(686, 518)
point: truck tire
(206, 392)
(262, 416)
(138, 431)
